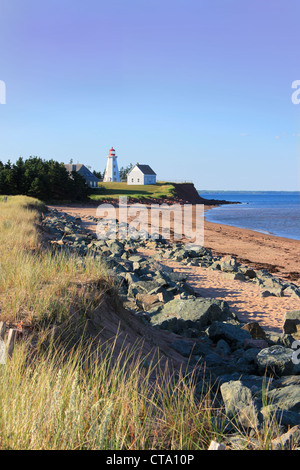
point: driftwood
(2, 330)
(11, 338)
(216, 446)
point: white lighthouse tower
(111, 172)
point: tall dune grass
(35, 284)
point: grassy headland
(136, 192)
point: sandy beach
(279, 255)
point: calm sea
(274, 213)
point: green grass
(37, 285)
(138, 192)
(90, 400)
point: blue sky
(198, 89)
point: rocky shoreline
(256, 374)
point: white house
(111, 172)
(141, 174)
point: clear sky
(198, 89)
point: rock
(249, 355)
(273, 285)
(275, 360)
(228, 268)
(233, 334)
(136, 266)
(255, 343)
(222, 348)
(143, 287)
(266, 293)
(215, 266)
(285, 395)
(240, 405)
(292, 291)
(115, 247)
(291, 322)
(136, 258)
(235, 276)
(250, 273)
(255, 330)
(147, 299)
(182, 347)
(174, 277)
(165, 296)
(197, 313)
(287, 340)
(272, 413)
(288, 441)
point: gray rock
(222, 348)
(215, 266)
(233, 334)
(275, 360)
(235, 276)
(280, 417)
(288, 441)
(182, 347)
(197, 312)
(292, 291)
(286, 398)
(240, 404)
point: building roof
(145, 169)
(82, 170)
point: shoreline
(249, 249)
(264, 232)
(257, 250)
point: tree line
(46, 180)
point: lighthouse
(111, 172)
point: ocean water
(274, 213)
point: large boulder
(286, 395)
(275, 360)
(240, 406)
(196, 313)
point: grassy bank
(37, 285)
(136, 192)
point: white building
(111, 172)
(141, 174)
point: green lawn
(114, 190)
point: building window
(138, 180)
(132, 180)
